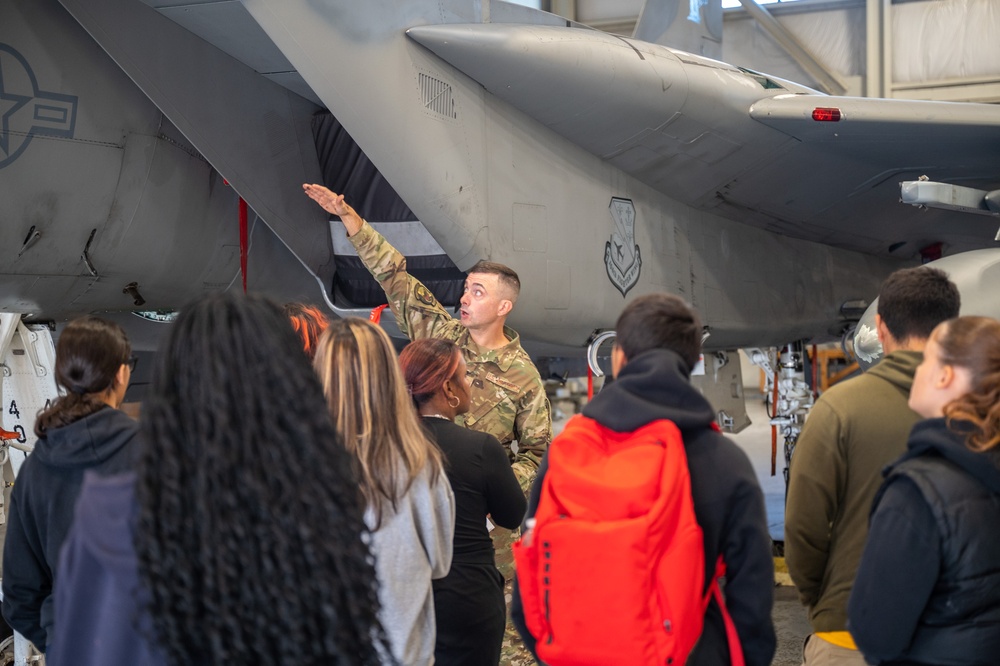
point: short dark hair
(659, 321)
(912, 301)
(506, 274)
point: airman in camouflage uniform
(508, 398)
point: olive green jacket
(855, 429)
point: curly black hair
(250, 534)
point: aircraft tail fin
(694, 26)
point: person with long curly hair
(240, 538)
(83, 429)
(469, 602)
(409, 505)
(928, 588)
(309, 322)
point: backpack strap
(732, 637)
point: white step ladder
(27, 373)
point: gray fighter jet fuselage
(598, 167)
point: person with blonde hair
(410, 507)
(928, 587)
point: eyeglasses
(131, 362)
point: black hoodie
(41, 511)
(728, 502)
(928, 587)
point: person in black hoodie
(82, 430)
(658, 343)
(928, 587)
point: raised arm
(418, 313)
(334, 204)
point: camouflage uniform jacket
(508, 399)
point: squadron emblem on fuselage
(621, 253)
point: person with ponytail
(240, 537)
(409, 505)
(82, 430)
(468, 603)
(928, 587)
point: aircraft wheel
(7, 651)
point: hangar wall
(927, 49)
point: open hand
(330, 201)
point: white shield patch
(621, 254)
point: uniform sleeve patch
(423, 294)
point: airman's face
(483, 301)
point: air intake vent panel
(436, 96)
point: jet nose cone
(452, 38)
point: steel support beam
(829, 81)
(564, 8)
(878, 48)
(985, 90)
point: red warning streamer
(244, 242)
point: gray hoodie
(412, 546)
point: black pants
(470, 615)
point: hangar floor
(756, 441)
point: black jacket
(928, 588)
(41, 511)
(728, 502)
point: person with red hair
(309, 322)
(469, 602)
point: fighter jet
(599, 167)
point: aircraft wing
(719, 138)
(597, 167)
(740, 144)
(846, 174)
(250, 128)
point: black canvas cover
(347, 170)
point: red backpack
(613, 570)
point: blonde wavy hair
(373, 412)
(973, 343)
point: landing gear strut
(788, 396)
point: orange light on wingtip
(826, 115)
